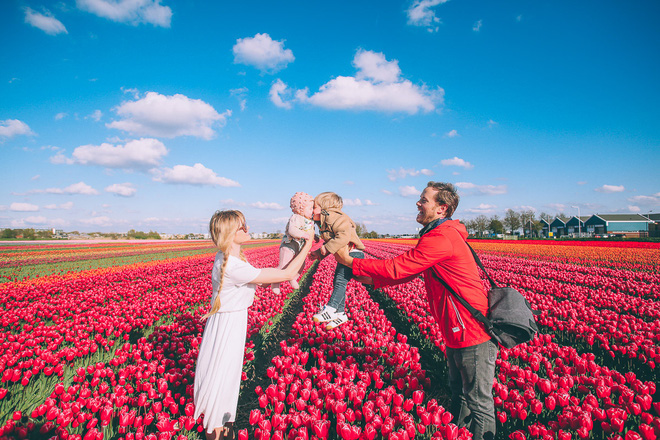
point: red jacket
(444, 251)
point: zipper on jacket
(460, 320)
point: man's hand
(342, 257)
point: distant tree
(481, 224)
(44, 235)
(563, 217)
(495, 226)
(511, 220)
(469, 225)
(360, 229)
(544, 216)
(28, 234)
(527, 219)
(8, 233)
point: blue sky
(151, 115)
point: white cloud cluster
(377, 86)
(456, 162)
(23, 207)
(267, 205)
(358, 202)
(76, 188)
(102, 220)
(610, 189)
(483, 208)
(129, 11)
(409, 191)
(122, 189)
(421, 14)
(262, 52)
(452, 134)
(483, 189)
(46, 22)
(10, 128)
(477, 26)
(136, 154)
(168, 116)
(402, 173)
(64, 206)
(197, 174)
(653, 200)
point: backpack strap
(493, 285)
(474, 312)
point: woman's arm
(270, 275)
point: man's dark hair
(447, 195)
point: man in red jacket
(442, 251)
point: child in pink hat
(299, 228)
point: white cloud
(129, 11)
(456, 162)
(633, 208)
(95, 115)
(352, 202)
(483, 208)
(262, 52)
(168, 116)
(653, 200)
(76, 188)
(277, 90)
(122, 189)
(36, 220)
(46, 22)
(409, 191)
(477, 26)
(403, 172)
(582, 182)
(197, 174)
(377, 86)
(232, 202)
(452, 134)
(349, 182)
(384, 191)
(374, 66)
(483, 189)
(136, 154)
(13, 127)
(35, 177)
(270, 206)
(491, 123)
(559, 207)
(97, 221)
(240, 95)
(610, 189)
(519, 18)
(61, 116)
(65, 206)
(23, 207)
(358, 202)
(420, 14)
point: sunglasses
(243, 228)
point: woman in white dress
(220, 360)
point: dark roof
(558, 220)
(653, 216)
(623, 217)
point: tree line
(512, 222)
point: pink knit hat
(298, 202)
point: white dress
(220, 360)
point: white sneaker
(340, 319)
(275, 288)
(326, 314)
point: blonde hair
(223, 227)
(329, 200)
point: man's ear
(442, 210)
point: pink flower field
(109, 353)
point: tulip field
(100, 342)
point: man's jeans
(343, 274)
(471, 373)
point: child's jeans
(343, 274)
